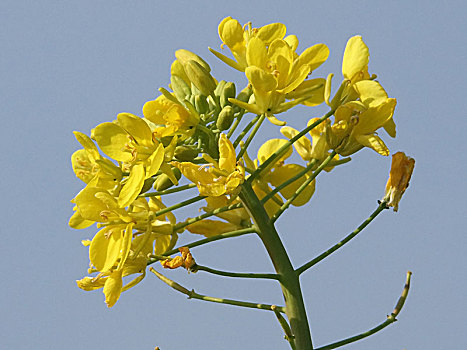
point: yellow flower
(317, 149)
(356, 122)
(237, 38)
(276, 174)
(399, 177)
(130, 141)
(171, 117)
(276, 72)
(216, 178)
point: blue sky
(68, 65)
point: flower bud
(201, 104)
(227, 92)
(179, 86)
(163, 182)
(219, 88)
(200, 77)
(185, 153)
(225, 118)
(184, 56)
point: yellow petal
(374, 118)
(256, 53)
(260, 79)
(374, 142)
(87, 144)
(268, 148)
(371, 92)
(270, 32)
(113, 288)
(77, 221)
(314, 56)
(105, 247)
(302, 145)
(125, 245)
(89, 283)
(136, 127)
(132, 187)
(227, 157)
(112, 140)
(356, 57)
(231, 32)
(89, 206)
(282, 174)
(154, 161)
(209, 228)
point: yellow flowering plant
(198, 134)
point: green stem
(251, 136)
(335, 247)
(290, 284)
(303, 187)
(193, 295)
(197, 268)
(287, 331)
(390, 319)
(235, 123)
(244, 131)
(179, 205)
(281, 150)
(206, 215)
(289, 181)
(168, 191)
(231, 234)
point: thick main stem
(289, 279)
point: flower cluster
(188, 137)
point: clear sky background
(70, 65)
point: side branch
(272, 276)
(390, 319)
(193, 295)
(204, 241)
(303, 268)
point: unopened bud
(225, 118)
(201, 104)
(200, 77)
(227, 92)
(181, 89)
(163, 181)
(185, 153)
(184, 56)
(219, 88)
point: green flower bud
(163, 182)
(219, 88)
(185, 153)
(147, 184)
(245, 94)
(225, 118)
(200, 77)
(180, 88)
(201, 104)
(184, 56)
(227, 92)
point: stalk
(289, 280)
